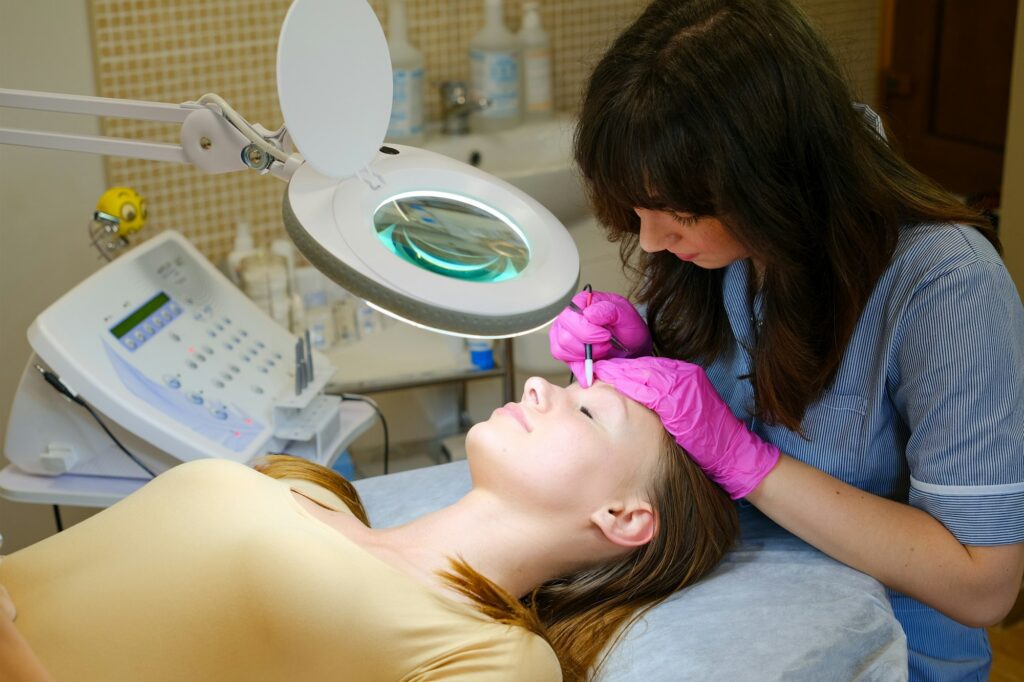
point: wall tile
(177, 50)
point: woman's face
(566, 448)
(701, 240)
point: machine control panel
(161, 340)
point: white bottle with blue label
(495, 57)
(406, 124)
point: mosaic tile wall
(177, 50)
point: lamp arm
(214, 137)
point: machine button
(140, 335)
(218, 383)
(228, 346)
(212, 334)
(207, 350)
(260, 344)
(243, 332)
(277, 356)
(174, 335)
(192, 365)
(172, 381)
(130, 343)
(200, 357)
(196, 398)
(270, 363)
(227, 320)
(219, 414)
(234, 368)
(158, 322)
(258, 390)
(227, 376)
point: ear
(630, 524)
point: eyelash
(684, 220)
(586, 412)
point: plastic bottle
(495, 58)
(406, 125)
(343, 309)
(243, 248)
(481, 353)
(297, 315)
(264, 279)
(318, 314)
(538, 95)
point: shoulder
(927, 251)
(210, 470)
(500, 653)
(537, 660)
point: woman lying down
(582, 514)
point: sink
(536, 157)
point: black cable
(56, 516)
(59, 386)
(383, 421)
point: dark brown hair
(582, 615)
(736, 109)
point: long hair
(736, 109)
(582, 615)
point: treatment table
(774, 609)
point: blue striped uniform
(927, 408)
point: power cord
(383, 421)
(59, 386)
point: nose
(654, 235)
(537, 394)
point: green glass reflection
(452, 237)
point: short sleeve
(960, 391)
(519, 656)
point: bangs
(634, 155)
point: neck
(516, 551)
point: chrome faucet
(457, 105)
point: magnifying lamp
(422, 237)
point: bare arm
(901, 546)
(18, 663)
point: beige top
(214, 571)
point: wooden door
(946, 86)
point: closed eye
(586, 412)
(684, 219)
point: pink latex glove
(701, 422)
(607, 314)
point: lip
(516, 412)
(685, 256)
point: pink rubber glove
(701, 422)
(606, 315)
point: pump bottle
(495, 59)
(538, 98)
(406, 125)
